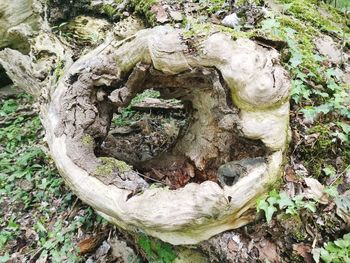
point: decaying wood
(151, 104)
(237, 97)
(19, 20)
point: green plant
(29, 182)
(281, 201)
(109, 10)
(126, 116)
(156, 251)
(337, 251)
(212, 6)
(9, 106)
(58, 73)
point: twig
(152, 179)
(36, 255)
(335, 179)
(71, 209)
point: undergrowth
(36, 210)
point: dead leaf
(290, 175)
(268, 251)
(158, 174)
(303, 250)
(189, 170)
(121, 250)
(300, 170)
(343, 207)
(215, 20)
(327, 47)
(315, 191)
(31, 233)
(42, 258)
(176, 16)
(102, 250)
(232, 246)
(161, 14)
(311, 138)
(89, 244)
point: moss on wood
(109, 165)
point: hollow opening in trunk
(146, 128)
(176, 128)
(4, 78)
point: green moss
(303, 35)
(274, 184)
(324, 140)
(143, 8)
(156, 250)
(111, 164)
(319, 152)
(293, 225)
(109, 10)
(58, 73)
(87, 140)
(205, 29)
(309, 12)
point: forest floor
(40, 219)
(305, 219)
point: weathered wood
(152, 104)
(259, 89)
(238, 95)
(19, 19)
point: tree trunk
(236, 97)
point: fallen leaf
(176, 16)
(231, 21)
(189, 170)
(89, 245)
(290, 175)
(303, 250)
(161, 14)
(343, 207)
(232, 246)
(327, 47)
(268, 251)
(315, 191)
(121, 250)
(102, 250)
(300, 170)
(158, 174)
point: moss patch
(309, 11)
(109, 10)
(111, 164)
(87, 140)
(143, 8)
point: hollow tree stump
(237, 98)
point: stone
(231, 21)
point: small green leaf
(284, 201)
(345, 127)
(267, 208)
(269, 213)
(316, 253)
(5, 258)
(310, 206)
(40, 227)
(331, 191)
(329, 170)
